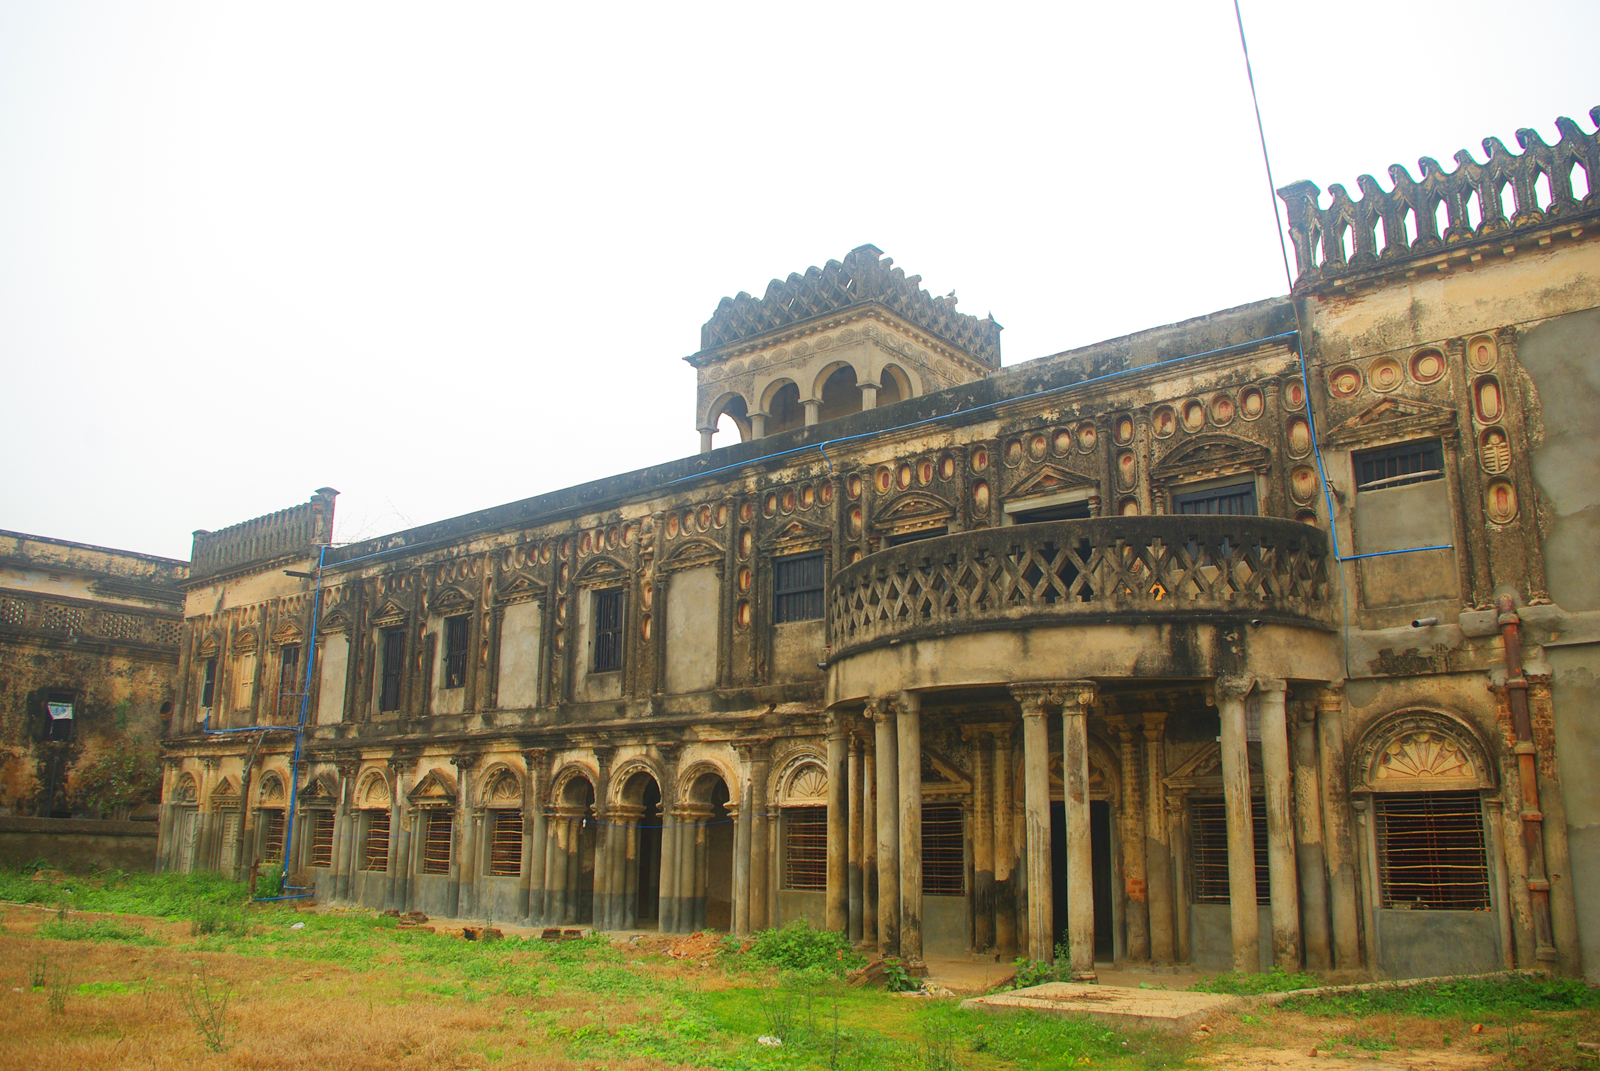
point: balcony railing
(1125, 570)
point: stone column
(909, 724)
(853, 864)
(760, 837)
(869, 395)
(1178, 846)
(705, 439)
(629, 878)
(667, 904)
(1338, 837)
(1283, 872)
(555, 870)
(869, 847)
(1005, 844)
(881, 711)
(741, 861)
(1132, 830)
(837, 918)
(701, 866)
(1246, 923)
(1308, 836)
(813, 410)
(1040, 944)
(1077, 698)
(533, 841)
(1158, 851)
(462, 856)
(392, 900)
(344, 831)
(982, 839)
(758, 425)
(604, 844)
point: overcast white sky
(446, 256)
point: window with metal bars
(1431, 851)
(321, 838)
(944, 857)
(1396, 466)
(796, 588)
(273, 821)
(288, 670)
(436, 842)
(1208, 850)
(455, 651)
(1237, 500)
(805, 848)
(208, 683)
(608, 630)
(915, 537)
(394, 661)
(375, 850)
(505, 845)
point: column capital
(1233, 687)
(881, 708)
(909, 702)
(1155, 724)
(1272, 685)
(838, 722)
(463, 762)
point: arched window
(840, 395)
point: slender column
(409, 817)
(1157, 849)
(462, 856)
(881, 711)
(1308, 836)
(838, 903)
(982, 839)
(1077, 698)
(705, 439)
(629, 878)
(813, 410)
(760, 834)
(555, 872)
(869, 848)
(344, 836)
(741, 862)
(1231, 693)
(1178, 845)
(1005, 843)
(869, 395)
(603, 912)
(1495, 807)
(619, 833)
(667, 909)
(909, 725)
(1282, 871)
(702, 870)
(1036, 797)
(853, 864)
(758, 425)
(1132, 827)
(531, 896)
(391, 900)
(572, 887)
(1338, 837)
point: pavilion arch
(500, 786)
(838, 389)
(734, 406)
(694, 786)
(894, 385)
(629, 781)
(783, 404)
(1417, 749)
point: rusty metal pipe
(1528, 776)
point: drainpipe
(1528, 775)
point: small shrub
(896, 978)
(800, 946)
(206, 1004)
(269, 881)
(1034, 972)
(210, 918)
(58, 990)
(94, 930)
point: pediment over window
(1208, 454)
(374, 791)
(1052, 479)
(225, 794)
(335, 621)
(322, 790)
(914, 507)
(1202, 771)
(941, 776)
(391, 613)
(601, 570)
(806, 786)
(451, 600)
(288, 632)
(436, 787)
(518, 585)
(1420, 751)
(795, 534)
(693, 553)
(1393, 418)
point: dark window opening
(1235, 500)
(455, 651)
(274, 825)
(376, 855)
(1431, 851)
(60, 714)
(797, 588)
(1396, 466)
(944, 860)
(505, 845)
(288, 675)
(394, 661)
(1208, 850)
(322, 838)
(1066, 511)
(208, 683)
(916, 537)
(805, 848)
(436, 845)
(608, 630)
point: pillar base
(1085, 977)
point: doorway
(1100, 876)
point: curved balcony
(1131, 571)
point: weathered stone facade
(1263, 638)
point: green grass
(1276, 980)
(161, 895)
(1487, 1000)
(94, 930)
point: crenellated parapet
(287, 533)
(1507, 195)
(865, 275)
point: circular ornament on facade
(1122, 430)
(561, 611)
(852, 486)
(847, 335)
(823, 342)
(1038, 446)
(1344, 382)
(802, 348)
(587, 545)
(544, 554)
(613, 537)
(745, 541)
(980, 459)
(1481, 353)
(1222, 410)
(1302, 483)
(1128, 507)
(1494, 451)
(1194, 416)
(1500, 501)
(561, 575)
(788, 500)
(1163, 422)
(744, 578)
(747, 512)
(702, 519)
(735, 367)
(1299, 437)
(769, 505)
(947, 467)
(741, 613)
(980, 496)
(1384, 375)
(1251, 403)
(808, 496)
(902, 476)
(1486, 399)
(1306, 516)
(1014, 453)
(854, 556)
(1088, 436)
(647, 594)
(561, 642)
(721, 518)
(644, 626)
(1427, 366)
(883, 479)
(1062, 441)
(629, 531)
(688, 521)
(1127, 471)
(825, 492)
(1294, 395)
(855, 520)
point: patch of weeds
(213, 918)
(58, 987)
(801, 946)
(938, 1052)
(104, 989)
(1033, 972)
(1468, 999)
(1369, 1042)
(1276, 980)
(39, 970)
(206, 1004)
(896, 978)
(94, 930)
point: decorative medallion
(1299, 437)
(741, 613)
(588, 543)
(721, 517)
(1486, 399)
(747, 512)
(1014, 453)
(613, 536)
(854, 556)
(1164, 422)
(745, 542)
(1087, 436)
(1061, 442)
(883, 479)
(825, 492)
(1384, 375)
(1122, 430)
(1481, 353)
(1500, 501)
(1344, 382)
(1302, 483)
(808, 497)
(1251, 403)
(1038, 446)
(1194, 416)
(902, 476)
(980, 496)
(1222, 410)
(1127, 470)
(561, 611)
(980, 459)
(702, 519)
(644, 626)
(544, 554)
(855, 520)
(744, 578)
(1424, 755)
(1306, 516)
(925, 471)
(1427, 366)
(788, 500)
(561, 575)
(852, 486)
(647, 594)
(769, 505)
(947, 467)
(1129, 507)
(1494, 451)
(1294, 395)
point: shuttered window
(273, 852)
(505, 845)
(288, 679)
(944, 860)
(455, 651)
(1208, 850)
(608, 630)
(1431, 851)
(805, 848)
(797, 588)
(436, 843)
(394, 660)
(208, 684)
(321, 838)
(1396, 466)
(1234, 500)
(375, 853)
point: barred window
(1431, 851)
(1208, 850)
(208, 683)
(1396, 466)
(797, 588)
(394, 660)
(455, 651)
(505, 845)
(436, 843)
(805, 848)
(375, 855)
(321, 838)
(944, 858)
(274, 824)
(288, 670)
(1237, 499)
(608, 630)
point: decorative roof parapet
(1407, 216)
(862, 277)
(287, 533)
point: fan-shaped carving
(186, 791)
(1423, 755)
(1420, 750)
(808, 785)
(271, 788)
(374, 790)
(502, 789)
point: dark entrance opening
(1100, 878)
(649, 878)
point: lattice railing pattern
(39, 615)
(1123, 568)
(860, 277)
(1546, 184)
